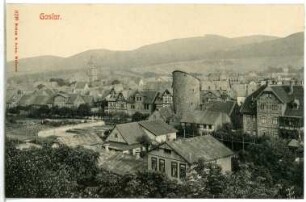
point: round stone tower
(186, 92)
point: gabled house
(230, 108)
(142, 101)
(165, 114)
(158, 131)
(164, 99)
(176, 157)
(203, 122)
(81, 88)
(275, 110)
(127, 137)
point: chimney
(106, 146)
(137, 154)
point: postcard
(154, 101)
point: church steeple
(92, 71)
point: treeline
(266, 170)
(54, 112)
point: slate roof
(166, 112)
(226, 107)
(205, 147)
(201, 117)
(157, 127)
(283, 93)
(131, 132)
(149, 96)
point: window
(132, 106)
(146, 106)
(116, 135)
(167, 151)
(262, 106)
(263, 120)
(182, 170)
(275, 121)
(154, 163)
(138, 98)
(173, 169)
(162, 165)
(209, 126)
(274, 107)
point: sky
(127, 27)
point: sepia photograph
(185, 101)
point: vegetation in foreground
(266, 170)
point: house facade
(127, 137)
(275, 111)
(177, 157)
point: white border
(2, 79)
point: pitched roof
(166, 112)
(250, 106)
(149, 96)
(204, 147)
(157, 127)
(226, 107)
(201, 117)
(73, 97)
(131, 132)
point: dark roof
(250, 105)
(131, 132)
(166, 112)
(203, 147)
(226, 107)
(157, 127)
(149, 96)
(201, 117)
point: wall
(186, 92)
(249, 124)
(168, 159)
(225, 164)
(112, 137)
(270, 114)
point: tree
(139, 116)
(47, 172)
(84, 110)
(145, 141)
